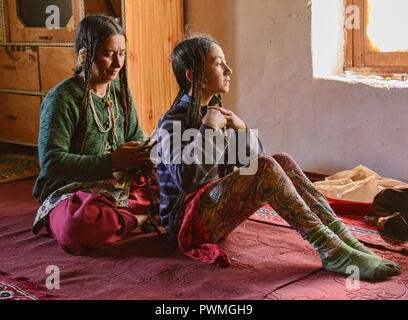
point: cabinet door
(19, 68)
(56, 64)
(19, 118)
(28, 20)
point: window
(376, 38)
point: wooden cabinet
(33, 59)
(19, 118)
(19, 68)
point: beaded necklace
(112, 119)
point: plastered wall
(327, 126)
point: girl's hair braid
(194, 111)
(177, 100)
(191, 54)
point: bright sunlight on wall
(327, 37)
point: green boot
(336, 256)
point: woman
(90, 142)
(202, 202)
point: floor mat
(268, 262)
(17, 166)
(21, 289)
(145, 267)
(363, 230)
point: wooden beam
(348, 41)
(153, 27)
(359, 36)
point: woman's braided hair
(91, 33)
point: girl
(202, 203)
(89, 139)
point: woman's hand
(233, 121)
(215, 119)
(131, 155)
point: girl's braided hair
(191, 54)
(91, 33)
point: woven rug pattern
(17, 166)
(362, 230)
(22, 289)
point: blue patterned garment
(179, 178)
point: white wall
(328, 37)
(327, 126)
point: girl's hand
(131, 155)
(233, 121)
(215, 119)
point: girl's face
(109, 59)
(217, 73)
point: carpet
(269, 262)
(21, 289)
(364, 231)
(17, 166)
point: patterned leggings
(278, 181)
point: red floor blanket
(267, 262)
